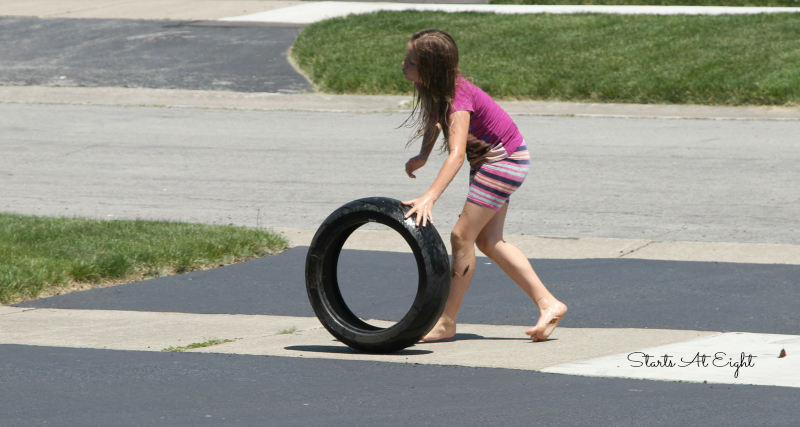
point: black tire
(433, 267)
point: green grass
(751, 3)
(711, 60)
(208, 343)
(47, 254)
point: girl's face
(410, 65)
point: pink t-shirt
(489, 124)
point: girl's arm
(428, 141)
(457, 143)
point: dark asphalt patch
(601, 293)
(146, 54)
(84, 387)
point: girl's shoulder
(465, 88)
(464, 84)
(470, 96)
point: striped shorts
(491, 184)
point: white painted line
(318, 11)
(729, 358)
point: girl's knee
(458, 237)
(461, 241)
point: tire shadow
(335, 349)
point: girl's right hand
(415, 163)
(423, 208)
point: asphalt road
(684, 180)
(69, 387)
(148, 54)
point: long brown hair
(437, 56)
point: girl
(473, 125)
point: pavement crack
(637, 248)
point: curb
(175, 98)
(586, 248)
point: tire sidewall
(432, 267)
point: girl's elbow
(457, 158)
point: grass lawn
(749, 3)
(45, 256)
(712, 60)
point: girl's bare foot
(442, 330)
(548, 320)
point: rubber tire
(433, 266)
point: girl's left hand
(423, 207)
(415, 163)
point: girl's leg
(514, 263)
(471, 221)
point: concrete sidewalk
(497, 346)
(311, 12)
